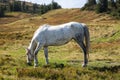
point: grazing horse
(47, 35)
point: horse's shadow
(54, 65)
(62, 65)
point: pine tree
(92, 2)
(52, 5)
(90, 5)
(42, 11)
(2, 12)
(55, 5)
(1, 1)
(118, 3)
(113, 4)
(118, 9)
(11, 6)
(102, 6)
(35, 6)
(23, 6)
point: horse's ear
(27, 51)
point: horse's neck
(31, 46)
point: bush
(115, 13)
(98, 8)
(90, 5)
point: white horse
(47, 35)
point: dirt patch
(11, 17)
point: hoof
(35, 66)
(84, 65)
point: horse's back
(59, 34)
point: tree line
(22, 6)
(111, 7)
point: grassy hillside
(17, 29)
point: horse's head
(30, 56)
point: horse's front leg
(46, 54)
(35, 61)
(35, 54)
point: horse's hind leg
(85, 55)
(46, 54)
(79, 40)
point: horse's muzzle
(29, 64)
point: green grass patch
(114, 35)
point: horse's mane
(45, 25)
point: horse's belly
(56, 41)
(58, 37)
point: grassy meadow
(16, 31)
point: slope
(20, 25)
(16, 33)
